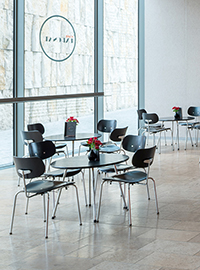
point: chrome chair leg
(190, 137)
(186, 137)
(44, 205)
(56, 204)
(83, 180)
(165, 138)
(13, 211)
(78, 204)
(156, 199)
(27, 203)
(123, 196)
(47, 216)
(148, 194)
(100, 196)
(129, 203)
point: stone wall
(75, 75)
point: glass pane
(6, 82)
(59, 47)
(6, 49)
(53, 114)
(6, 135)
(121, 62)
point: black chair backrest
(194, 111)
(31, 136)
(141, 155)
(140, 112)
(36, 126)
(117, 134)
(107, 126)
(132, 143)
(33, 166)
(150, 118)
(43, 150)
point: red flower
(94, 143)
(175, 109)
(72, 119)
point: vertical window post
(98, 60)
(141, 54)
(18, 71)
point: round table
(78, 137)
(83, 162)
(173, 119)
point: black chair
(143, 158)
(143, 125)
(45, 150)
(105, 126)
(31, 136)
(29, 169)
(116, 136)
(194, 125)
(130, 143)
(152, 118)
(41, 129)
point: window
(121, 62)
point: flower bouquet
(177, 111)
(70, 127)
(94, 145)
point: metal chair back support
(36, 126)
(141, 155)
(117, 134)
(132, 143)
(107, 126)
(43, 150)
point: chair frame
(152, 118)
(140, 160)
(29, 169)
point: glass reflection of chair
(31, 168)
(142, 159)
(152, 118)
(194, 125)
(40, 127)
(144, 126)
(105, 126)
(116, 137)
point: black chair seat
(84, 144)
(120, 167)
(158, 129)
(59, 146)
(59, 173)
(130, 177)
(197, 126)
(109, 148)
(43, 186)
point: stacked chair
(40, 127)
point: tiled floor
(169, 241)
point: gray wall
(172, 55)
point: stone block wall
(75, 75)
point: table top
(78, 137)
(171, 118)
(83, 162)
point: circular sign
(57, 38)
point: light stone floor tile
(178, 261)
(168, 241)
